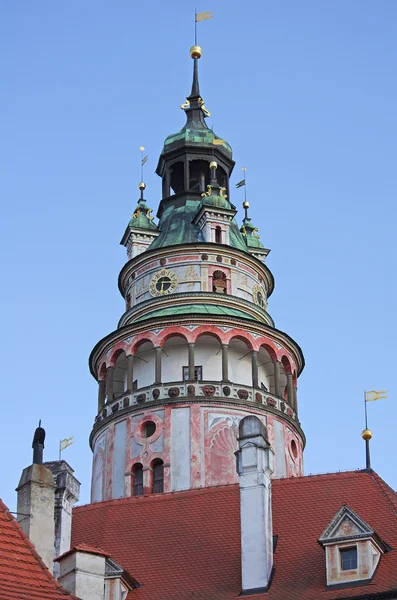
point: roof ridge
(158, 497)
(386, 489)
(318, 475)
(30, 546)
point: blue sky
(304, 92)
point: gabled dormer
(352, 549)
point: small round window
(148, 429)
(294, 449)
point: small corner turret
(251, 238)
(141, 231)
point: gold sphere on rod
(196, 52)
(142, 186)
(246, 204)
(366, 434)
(213, 165)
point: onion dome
(249, 231)
(141, 218)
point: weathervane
(367, 433)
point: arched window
(218, 235)
(138, 480)
(158, 477)
(219, 282)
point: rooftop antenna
(367, 433)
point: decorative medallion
(242, 394)
(271, 401)
(126, 402)
(226, 390)
(204, 257)
(233, 261)
(173, 392)
(162, 261)
(209, 390)
(191, 390)
(156, 393)
(258, 398)
(259, 296)
(163, 282)
(141, 398)
(219, 258)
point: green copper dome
(141, 218)
(250, 236)
(196, 133)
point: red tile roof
(23, 575)
(186, 545)
(84, 548)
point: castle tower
(195, 350)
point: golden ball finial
(213, 165)
(366, 434)
(142, 186)
(196, 52)
(246, 204)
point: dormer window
(348, 558)
(352, 550)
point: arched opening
(240, 362)
(199, 175)
(102, 372)
(174, 359)
(266, 369)
(208, 357)
(176, 177)
(137, 476)
(285, 368)
(144, 365)
(218, 235)
(219, 282)
(157, 476)
(120, 375)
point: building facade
(196, 349)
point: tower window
(148, 429)
(218, 235)
(219, 284)
(348, 558)
(158, 477)
(198, 373)
(138, 480)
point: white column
(255, 468)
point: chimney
(35, 502)
(255, 468)
(67, 493)
(82, 572)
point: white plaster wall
(180, 448)
(173, 358)
(240, 363)
(144, 365)
(279, 449)
(265, 370)
(83, 574)
(208, 354)
(120, 432)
